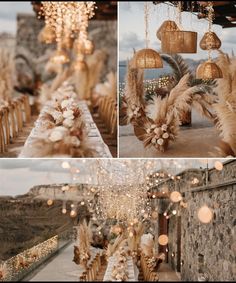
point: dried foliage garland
(157, 123)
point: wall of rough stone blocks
(207, 250)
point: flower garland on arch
(157, 124)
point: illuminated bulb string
(146, 17)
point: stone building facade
(205, 252)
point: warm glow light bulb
(65, 165)
(49, 202)
(218, 165)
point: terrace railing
(21, 265)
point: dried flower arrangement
(6, 75)
(60, 128)
(156, 123)
(120, 269)
(82, 248)
(134, 239)
(225, 108)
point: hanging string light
(147, 58)
(68, 20)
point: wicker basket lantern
(210, 41)
(166, 26)
(209, 71)
(179, 42)
(147, 59)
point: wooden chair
(2, 137)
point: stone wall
(102, 33)
(207, 250)
(28, 28)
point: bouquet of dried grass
(157, 123)
(84, 238)
(225, 107)
(135, 240)
(6, 75)
(119, 242)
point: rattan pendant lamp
(209, 70)
(147, 58)
(175, 40)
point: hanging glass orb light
(166, 26)
(147, 59)
(208, 71)
(210, 41)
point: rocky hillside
(26, 221)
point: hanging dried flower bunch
(69, 20)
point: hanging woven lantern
(166, 26)
(209, 71)
(178, 42)
(147, 59)
(210, 41)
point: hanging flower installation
(68, 20)
(147, 58)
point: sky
(132, 29)
(8, 13)
(17, 176)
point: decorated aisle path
(60, 268)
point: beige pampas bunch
(135, 241)
(84, 238)
(225, 107)
(109, 87)
(96, 63)
(6, 75)
(119, 242)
